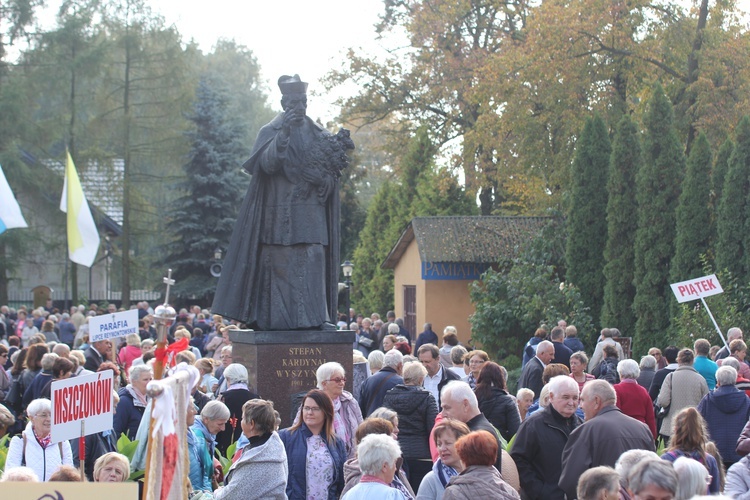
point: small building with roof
(436, 258)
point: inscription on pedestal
(281, 365)
(300, 365)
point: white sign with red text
(84, 398)
(697, 288)
(109, 326)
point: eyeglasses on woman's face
(311, 409)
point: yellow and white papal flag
(83, 236)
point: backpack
(608, 371)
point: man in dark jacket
(541, 439)
(426, 337)
(572, 341)
(373, 390)
(606, 435)
(726, 411)
(531, 377)
(96, 354)
(460, 403)
(562, 352)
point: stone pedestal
(283, 363)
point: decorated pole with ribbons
(164, 315)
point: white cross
(169, 281)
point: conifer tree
(587, 218)
(719, 172)
(693, 232)
(202, 219)
(421, 191)
(622, 224)
(372, 290)
(732, 216)
(658, 191)
(718, 176)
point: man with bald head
(606, 434)
(531, 377)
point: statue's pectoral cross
(169, 281)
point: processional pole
(164, 315)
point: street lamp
(216, 265)
(347, 267)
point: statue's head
(293, 96)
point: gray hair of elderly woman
(37, 406)
(393, 329)
(326, 371)
(260, 412)
(648, 362)
(691, 477)
(215, 410)
(384, 413)
(414, 373)
(375, 359)
(235, 373)
(594, 481)
(48, 360)
(136, 371)
(726, 375)
(652, 472)
(628, 368)
(375, 450)
(629, 459)
(730, 361)
(457, 355)
(18, 475)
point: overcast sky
(286, 36)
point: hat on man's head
(292, 85)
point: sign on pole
(109, 326)
(698, 289)
(84, 398)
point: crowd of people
(431, 418)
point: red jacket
(634, 401)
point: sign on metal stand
(699, 288)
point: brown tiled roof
(482, 239)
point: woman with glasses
(346, 413)
(34, 449)
(315, 454)
(477, 359)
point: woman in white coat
(33, 448)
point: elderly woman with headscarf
(202, 444)
(262, 465)
(34, 447)
(237, 394)
(132, 403)
(346, 412)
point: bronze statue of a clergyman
(281, 269)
